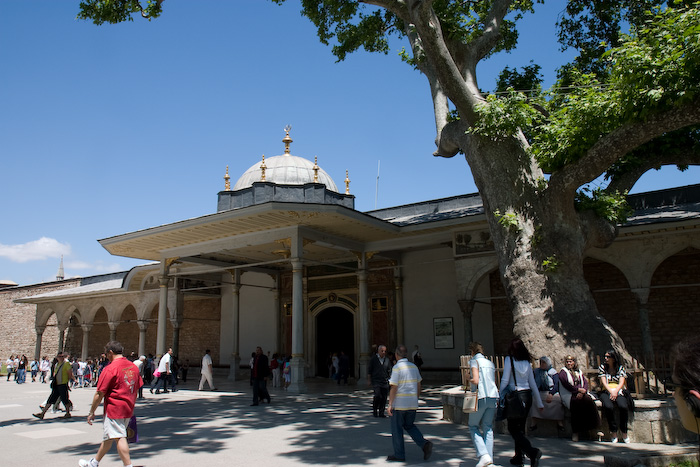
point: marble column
(113, 325)
(642, 297)
(297, 363)
(176, 336)
(363, 298)
(37, 346)
(61, 335)
(467, 308)
(233, 300)
(162, 315)
(398, 297)
(143, 328)
(84, 352)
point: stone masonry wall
(17, 320)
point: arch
(334, 332)
(73, 341)
(614, 300)
(674, 299)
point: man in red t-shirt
(118, 385)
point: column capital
(86, 327)
(143, 324)
(113, 325)
(40, 329)
(163, 281)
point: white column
(86, 341)
(162, 315)
(37, 346)
(297, 363)
(113, 325)
(365, 344)
(232, 301)
(143, 327)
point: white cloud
(36, 250)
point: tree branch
(620, 142)
(626, 180)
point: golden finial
(287, 140)
(347, 183)
(262, 168)
(315, 169)
(227, 180)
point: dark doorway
(335, 331)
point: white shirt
(165, 360)
(523, 379)
(206, 361)
(487, 376)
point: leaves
(117, 11)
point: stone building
(287, 263)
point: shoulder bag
(515, 400)
(471, 399)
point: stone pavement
(329, 425)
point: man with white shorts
(118, 385)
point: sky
(110, 129)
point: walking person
(260, 372)
(44, 368)
(164, 370)
(405, 385)
(118, 386)
(207, 372)
(378, 372)
(483, 376)
(9, 365)
(34, 368)
(63, 374)
(22, 370)
(519, 378)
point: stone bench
(653, 422)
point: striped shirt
(405, 376)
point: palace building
(288, 264)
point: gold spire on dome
(227, 181)
(262, 168)
(347, 183)
(316, 169)
(287, 140)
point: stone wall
(17, 320)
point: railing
(646, 376)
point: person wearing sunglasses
(612, 377)
(685, 383)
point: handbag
(132, 434)
(516, 401)
(471, 399)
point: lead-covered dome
(285, 170)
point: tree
(629, 106)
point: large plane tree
(621, 108)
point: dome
(286, 170)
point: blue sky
(110, 129)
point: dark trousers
(516, 428)
(59, 391)
(379, 401)
(260, 390)
(161, 382)
(609, 410)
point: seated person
(547, 380)
(686, 382)
(612, 377)
(573, 389)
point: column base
(298, 368)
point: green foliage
(117, 11)
(507, 220)
(611, 207)
(656, 68)
(550, 264)
(528, 79)
(502, 117)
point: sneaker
(614, 440)
(394, 459)
(67, 415)
(427, 450)
(484, 461)
(39, 415)
(626, 440)
(91, 463)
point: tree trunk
(540, 243)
